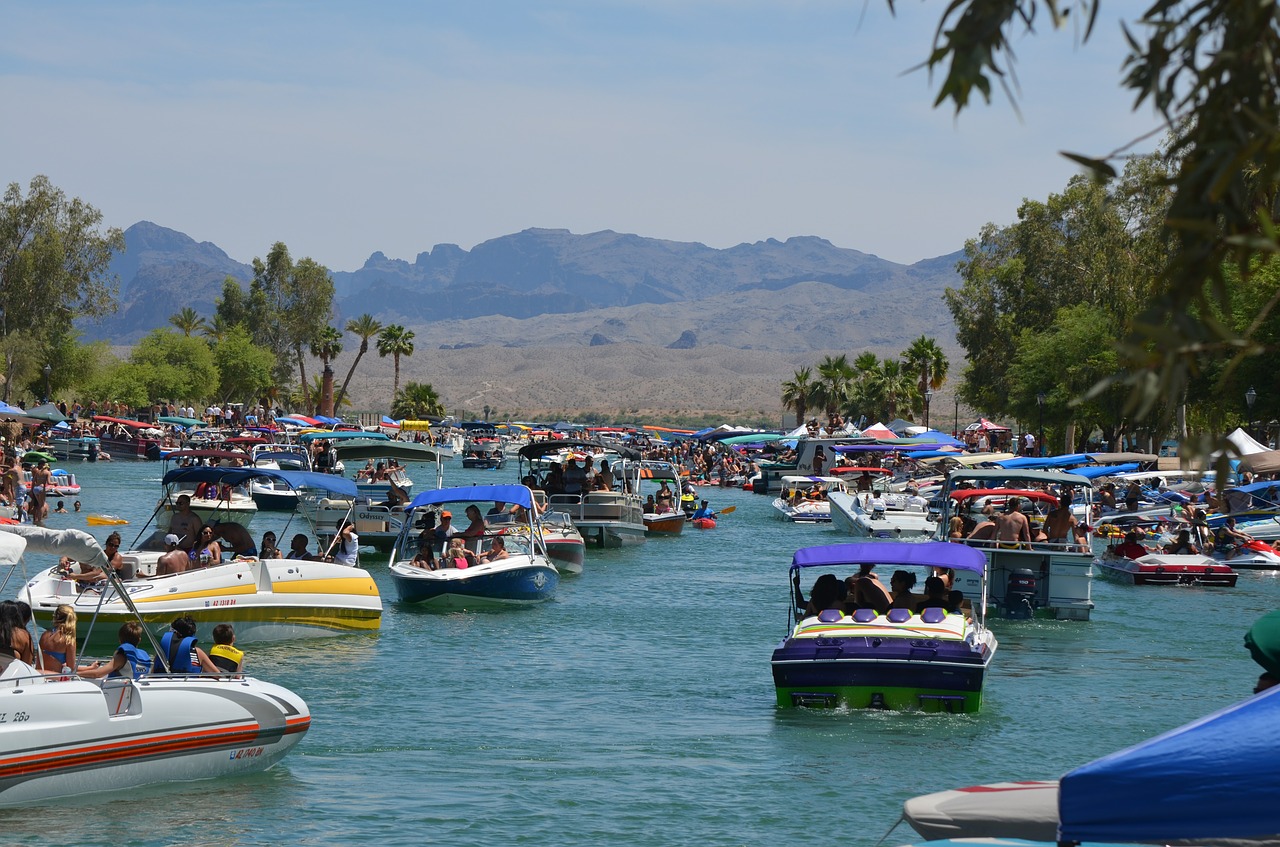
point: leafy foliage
(395, 341)
(417, 401)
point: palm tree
(395, 341)
(896, 387)
(216, 329)
(796, 392)
(366, 327)
(327, 345)
(188, 320)
(835, 377)
(416, 402)
(925, 358)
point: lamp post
(1040, 403)
(928, 395)
(1250, 397)
(48, 369)
(955, 422)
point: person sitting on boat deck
(237, 538)
(650, 505)
(179, 652)
(174, 559)
(268, 549)
(665, 499)
(900, 585)
(1132, 495)
(58, 642)
(497, 551)
(129, 661)
(554, 483)
(1130, 548)
(499, 510)
(1228, 540)
(298, 549)
(828, 592)
(185, 523)
(936, 596)
(477, 527)
(457, 555)
(603, 480)
(575, 478)
(1012, 528)
(345, 549)
(15, 615)
(1058, 523)
(1182, 545)
(425, 559)
(985, 531)
(396, 496)
(867, 591)
(864, 482)
(1107, 496)
(704, 510)
(206, 552)
(224, 654)
(955, 529)
(445, 531)
(62, 508)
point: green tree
(831, 391)
(217, 329)
(925, 358)
(288, 306)
(895, 386)
(365, 327)
(233, 307)
(796, 393)
(187, 321)
(416, 402)
(124, 382)
(54, 267)
(244, 368)
(395, 341)
(179, 367)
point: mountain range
(589, 299)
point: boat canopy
(847, 469)
(967, 459)
(417, 426)
(667, 472)
(1251, 488)
(1002, 474)
(752, 438)
(123, 422)
(1213, 778)
(1115, 458)
(970, 493)
(401, 451)
(792, 479)
(77, 544)
(1096, 471)
(342, 435)
(538, 449)
(1029, 462)
(936, 554)
(517, 494)
(883, 447)
(238, 476)
(179, 421)
(11, 548)
(206, 454)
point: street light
(928, 395)
(1250, 397)
(1040, 402)
(48, 369)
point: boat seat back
(899, 615)
(830, 615)
(864, 615)
(933, 615)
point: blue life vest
(138, 662)
(180, 658)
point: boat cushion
(864, 615)
(899, 615)
(933, 615)
(830, 615)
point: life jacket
(226, 657)
(138, 662)
(181, 654)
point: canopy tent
(1245, 443)
(517, 494)
(879, 430)
(899, 426)
(47, 412)
(341, 486)
(1213, 778)
(1267, 461)
(983, 423)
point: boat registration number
(247, 753)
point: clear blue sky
(342, 129)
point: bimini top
(935, 554)
(1028, 462)
(967, 493)
(238, 476)
(342, 435)
(11, 548)
(1001, 474)
(1096, 471)
(517, 494)
(401, 451)
(539, 449)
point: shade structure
(46, 412)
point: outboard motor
(1020, 595)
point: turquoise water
(638, 708)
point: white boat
(269, 493)
(1040, 579)
(209, 500)
(524, 577)
(803, 499)
(266, 600)
(69, 736)
(896, 516)
(604, 518)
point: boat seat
(899, 615)
(933, 614)
(865, 615)
(830, 615)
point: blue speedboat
(507, 566)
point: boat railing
(1023, 546)
(595, 506)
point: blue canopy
(1257, 487)
(328, 420)
(517, 494)
(342, 435)
(1213, 778)
(932, 454)
(1026, 462)
(238, 476)
(1095, 471)
(934, 554)
(939, 438)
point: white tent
(1246, 443)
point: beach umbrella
(47, 412)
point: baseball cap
(171, 539)
(446, 514)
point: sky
(342, 129)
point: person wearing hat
(174, 559)
(445, 530)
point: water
(638, 707)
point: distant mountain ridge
(543, 286)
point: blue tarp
(516, 494)
(1213, 778)
(1026, 462)
(386, 421)
(238, 476)
(938, 438)
(328, 420)
(342, 435)
(937, 554)
(1095, 471)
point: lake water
(638, 707)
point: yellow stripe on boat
(345, 585)
(228, 591)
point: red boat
(1167, 569)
